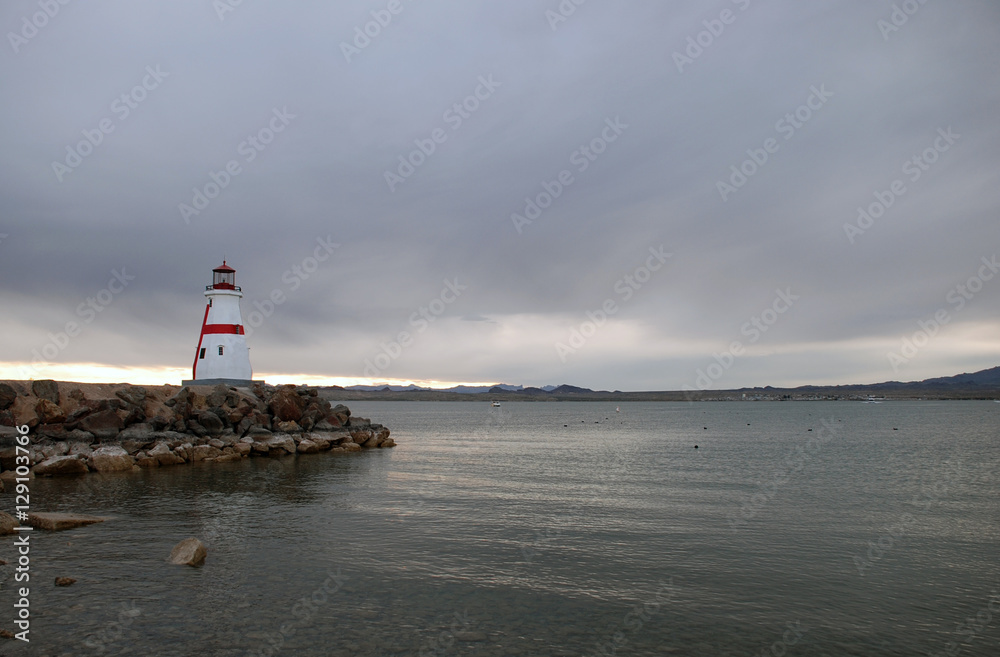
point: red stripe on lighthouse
(214, 329)
(204, 323)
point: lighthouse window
(220, 350)
(202, 354)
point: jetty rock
(76, 428)
(111, 458)
(62, 465)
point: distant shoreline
(918, 391)
(853, 394)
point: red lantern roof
(224, 267)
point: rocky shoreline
(81, 428)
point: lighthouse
(222, 355)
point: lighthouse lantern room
(222, 355)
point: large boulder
(202, 452)
(105, 425)
(135, 415)
(311, 416)
(181, 398)
(212, 423)
(61, 521)
(363, 437)
(328, 424)
(62, 465)
(46, 389)
(139, 432)
(132, 395)
(48, 412)
(218, 395)
(286, 404)
(338, 436)
(111, 458)
(307, 446)
(189, 552)
(281, 442)
(321, 442)
(81, 412)
(158, 422)
(7, 396)
(291, 426)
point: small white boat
(872, 399)
(495, 404)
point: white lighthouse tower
(222, 355)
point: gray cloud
(656, 184)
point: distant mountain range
(990, 377)
(984, 384)
(462, 390)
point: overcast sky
(120, 118)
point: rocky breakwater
(80, 428)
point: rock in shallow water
(7, 523)
(164, 456)
(61, 521)
(202, 452)
(189, 552)
(307, 446)
(281, 441)
(111, 458)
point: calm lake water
(548, 529)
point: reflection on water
(545, 529)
